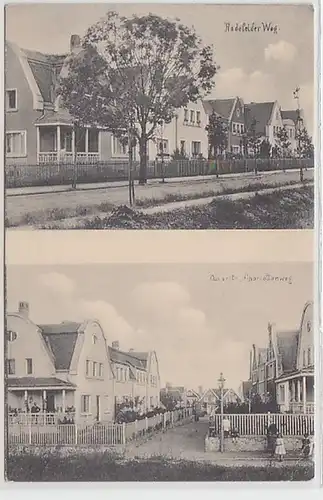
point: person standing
(226, 427)
(280, 451)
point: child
(280, 447)
(235, 435)
(307, 446)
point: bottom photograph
(160, 372)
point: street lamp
(221, 386)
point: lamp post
(221, 386)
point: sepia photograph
(152, 116)
(160, 372)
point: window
(308, 326)
(192, 116)
(94, 339)
(282, 393)
(87, 367)
(12, 336)
(118, 147)
(29, 366)
(196, 148)
(93, 140)
(242, 128)
(304, 357)
(234, 128)
(198, 117)
(151, 401)
(162, 145)
(118, 373)
(185, 115)
(85, 404)
(11, 100)
(182, 147)
(94, 372)
(16, 144)
(309, 357)
(101, 370)
(11, 363)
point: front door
(98, 409)
(50, 402)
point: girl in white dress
(280, 447)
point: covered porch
(58, 141)
(295, 393)
(40, 401)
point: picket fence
(256, 424)
(64, 173)
(106, 434)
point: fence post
(136, 427)
(123, 433)
(75, 429)
(146, 423)
(29, 431)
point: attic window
(12, 336)
(308, 326)
(11, 100)
(94, 339)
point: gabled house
(293, 121)
(210, 401)
(284, 369)
(62, 368)
(137, 380)
(232, 112)
(267, 117)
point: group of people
(276, 445)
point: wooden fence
(106, 434)
(64, 173)
(256, 424)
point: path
(187, 442)
(18, 206)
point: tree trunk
(143, 160)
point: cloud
(281, 51)
(255, 86)
(57, 283)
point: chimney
(115, 344)
(75, 44)
(24, 309)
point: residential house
(61, 367)
(284, 369)
(268, 119)
(70, 368)
(211, 399)
(192, 397)
(292, 121)
(232, 112)
(177, 394)
(137, 380)
(38, 129)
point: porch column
(63, 399)
(37, 144)
(58, 132)
(304, 394)
(26, 400)
(73, 143)
(298, 391)
(44, 401)
(86, 141)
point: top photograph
(159, 116)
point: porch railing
(297, 407)
(52, 157)
(106, 434)
(41, 418)
(256, 424)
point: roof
(127, 358)
(61, 339)
(290, 115)
(287, 344)
(38, 382)
(222, 107)
(45, 69)
(60, 116)
(261, 112)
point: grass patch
(107, 467)
(288, 209)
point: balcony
(297, 407)
(41, 418)
(52, 157)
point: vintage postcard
(160, 371)
(154, 116)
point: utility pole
(221, 386)
(298, 119)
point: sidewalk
(33, 190)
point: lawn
(289, 209)
(108, 467)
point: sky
(198, 324)
(264, 66)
